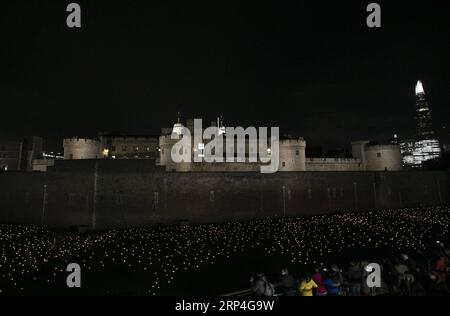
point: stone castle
(119, 180)
(366, 156)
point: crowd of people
(402, 276)
(184, 259)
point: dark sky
(312, 68)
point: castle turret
(358, 151)
(383, 158)
(292, 155)
(376, 157)
(81, 148)
(165, 147)
(166, 143)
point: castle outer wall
(122, 193)
(333, 164)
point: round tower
(166, 144)
(292, 154)
(383, 158)
(165, 147)
(81, 148)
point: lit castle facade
(366, 155)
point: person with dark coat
(287, 285)
(261, 286)
(355, 278)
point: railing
(247, 292)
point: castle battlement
(76, 140)
(293, 141)
(382, 147)
(81, 148)
(333, 160)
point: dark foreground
(220, 258)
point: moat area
(219, 258)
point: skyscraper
(426, 145)
(423, 114)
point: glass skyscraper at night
(425, 146)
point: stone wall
(333, 164)
(120, 193)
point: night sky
(312, 68)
